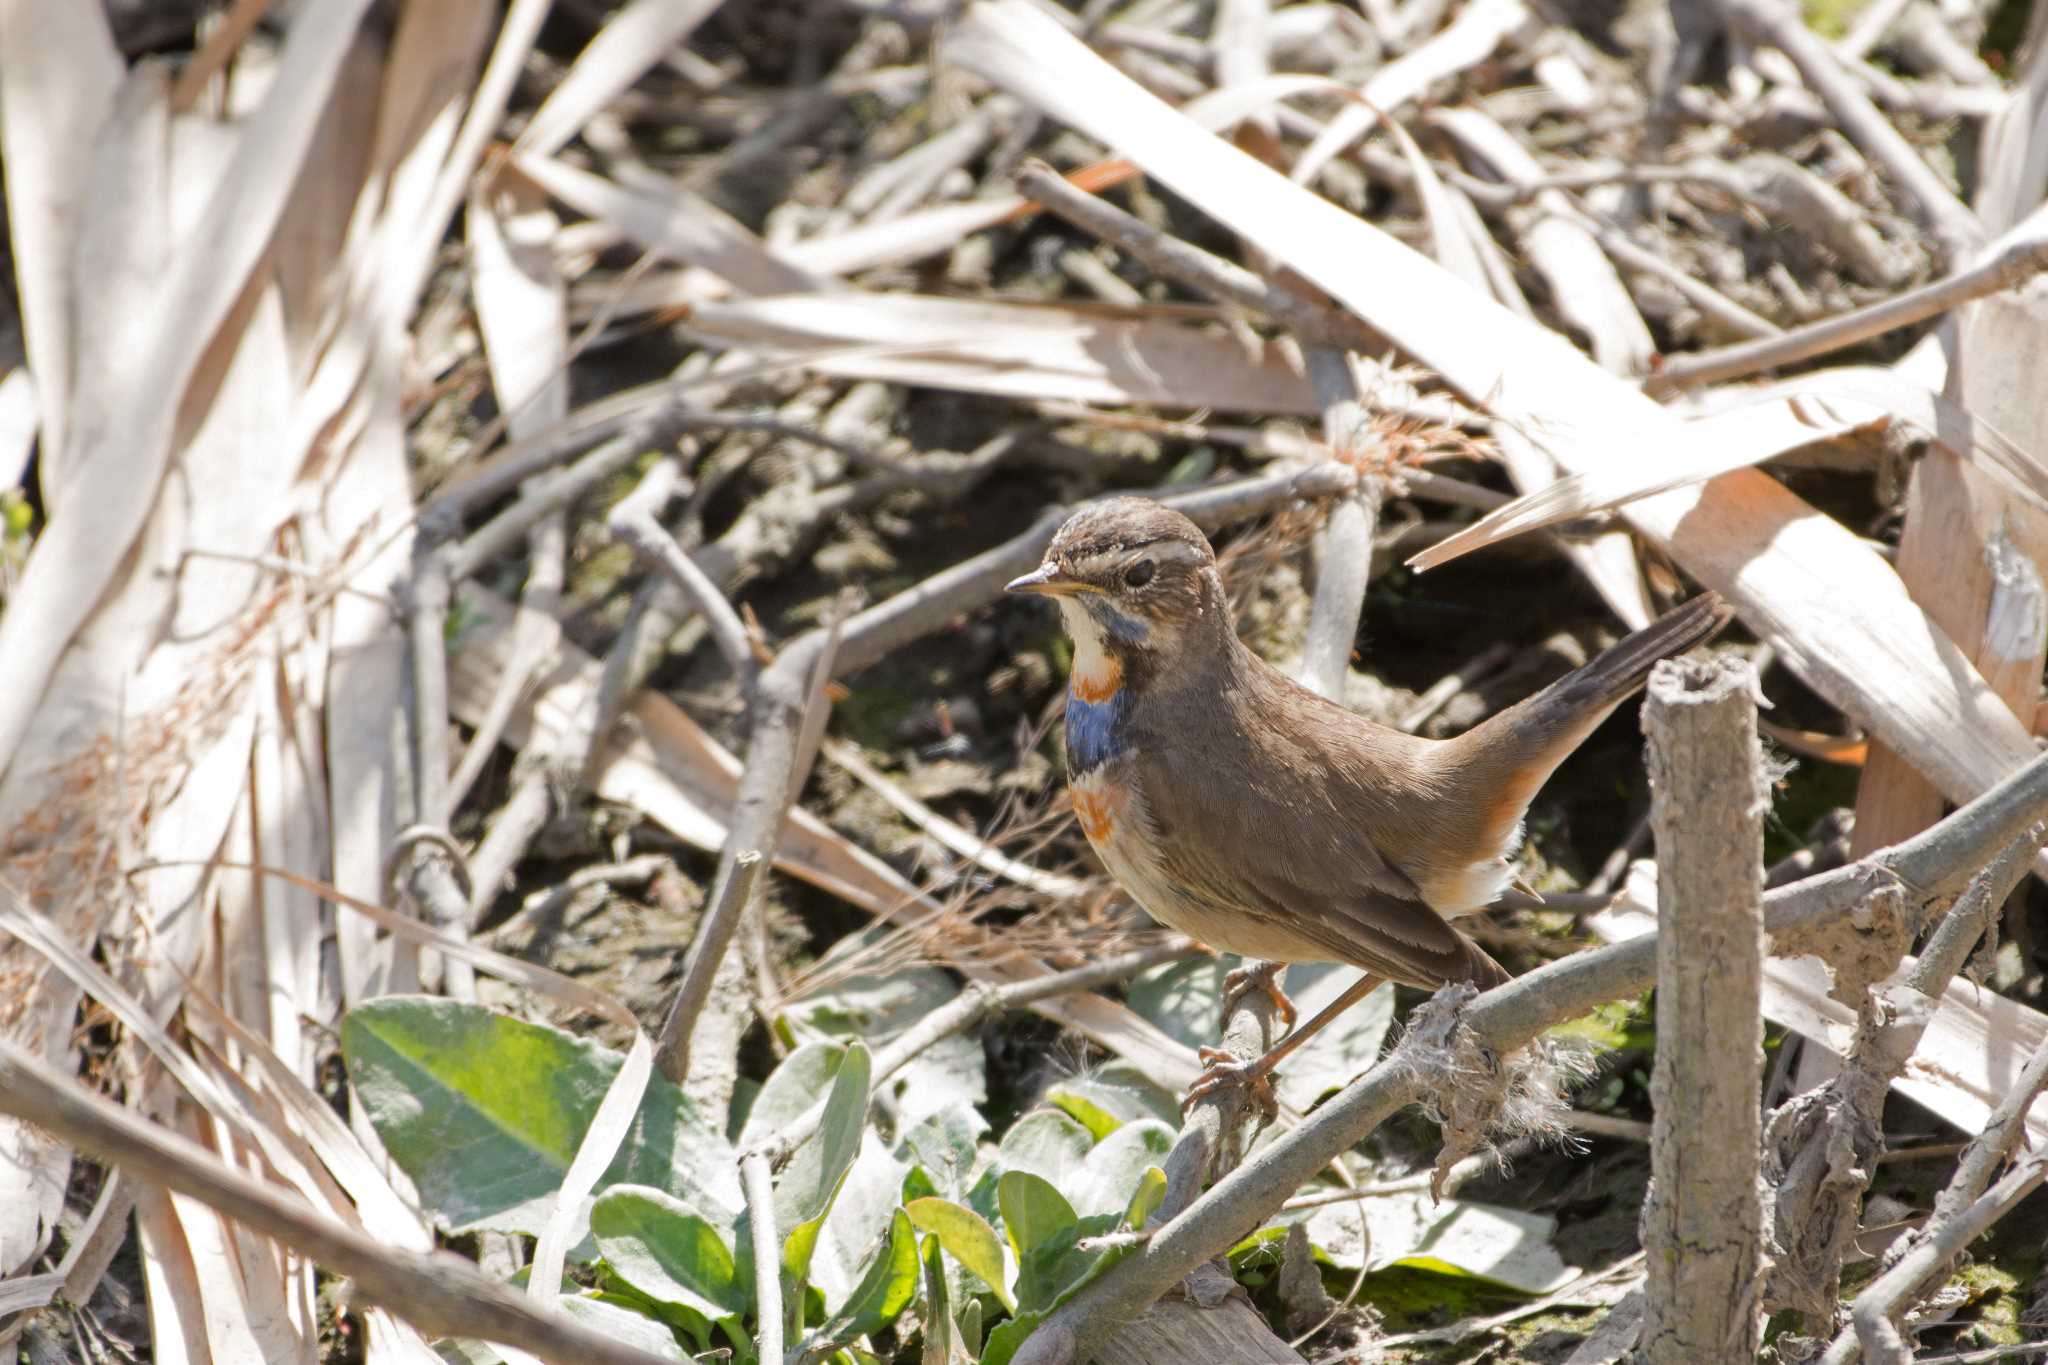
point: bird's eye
(1140, 573)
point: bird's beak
(1047, 581)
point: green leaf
(941, 1338)
(1508, 1247)
(1151, 1194)
(811, 1181)
(945, 1145)
(1034, 1213)
(970, 1328)
(1109, 1174)
(625, 1326)
(1004, 1341)
(968, 1238)
(1046, 1143)
(884, 1292)
(877, 1008)
(484, 1112)
(1108, 1099)
(791, 1089)
(1042, 1229)
(663, 1249)
(868, 1198)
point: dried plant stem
(760, 1196)
(2024, 255)
(424, 864)
(1342, 550)
(977, 1001)
(536, 634)
(735, 889)
(1931, 863)
(636, 520)
(441, 1294)
(1702, 1226)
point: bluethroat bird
(1241, 808)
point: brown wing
(1300, 868)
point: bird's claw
(1263, 976)
(1223, 1072)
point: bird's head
(1137, 586)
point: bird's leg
(1262, 976)
(1220, 1070)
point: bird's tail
(1613, 675)
(1511, 755)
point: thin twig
(636, 520)
(760, 1196)
(428, 871)
(1873, 1331)
(536, 634)
(440, 1293)
(737, 879)
(1174, 259)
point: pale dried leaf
(632, 41)
(1019, 350)
(59, 72)
(674, 220)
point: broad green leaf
(1042, 1229)
(485, 1113)
(1109, 1174)
(1509, 1247)
(812, 1179)
(1007, 1337)
(868, 1198)
(662, 1248)
(878, 1007)
(1035, 1214)
(885, 1291)
(945, 1145)
(626, 1327)
(1151, 1194)
(1106, 1100)
(970, 1328)
(1046, 1143)
(799, 1082)
(969, 1239)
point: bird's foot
(1260, 976)
(1221, 1072)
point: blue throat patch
(1096, 730)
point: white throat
(1091, 655)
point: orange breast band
(1097, 808)
(1099, 687)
